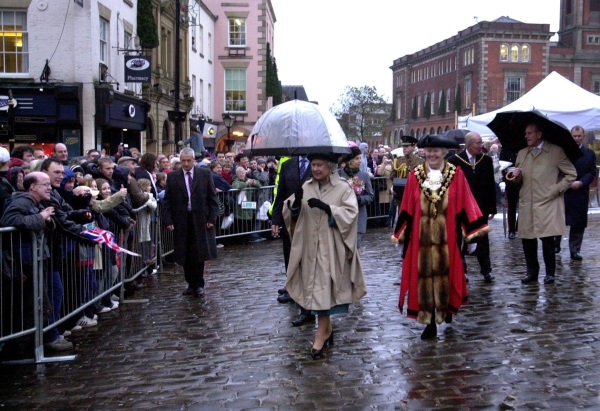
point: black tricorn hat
(408, 140)
(435, 140)
(332, 158)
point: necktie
(302, 167)
(473, 161)
(536, 151)
(188, 183)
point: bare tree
(361, 112)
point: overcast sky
(326, 45)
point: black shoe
(281, 291)
(512, 235)
(529, 278)
(488, 278)
(189, 291)
(316, 354)
(549, 279)
(199, 292)
(430, 331)
(303, 319)
(576, 257)
(284, 298)
(556, 250)
(448, 318)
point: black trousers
(192, 268)
(531, 260)
(512, 199)
(482, 253)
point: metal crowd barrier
(249, 208)
(39, 294)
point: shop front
(120, 118)
(41, 114)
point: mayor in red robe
(438, 213)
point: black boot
(430, 331)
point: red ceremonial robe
(433, 225)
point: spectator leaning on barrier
(25, 212)
(6, 189)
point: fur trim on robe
(432, 232)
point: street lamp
(228, 121)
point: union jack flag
(107, 238)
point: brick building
(491, 64)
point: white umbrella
(297, 128)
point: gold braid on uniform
(434, 196)
(402, 170)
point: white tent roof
(557, 97)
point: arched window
(514, 53)
(165, 136)
(525, 53)
(504, 52)
(431, 130)
(439, 130)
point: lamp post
(228, 121)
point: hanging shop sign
(138, 69)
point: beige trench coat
(544, 180)
(324, 268)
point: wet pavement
(511, 347)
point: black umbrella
(457, 134)
(509, 127)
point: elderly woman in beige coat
(545, 173)
(324, 273)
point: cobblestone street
(512, 346)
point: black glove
(298, 198)
(315, 202)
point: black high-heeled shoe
(318, 353)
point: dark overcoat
(576, 201)
(204, 210)
(480, 178)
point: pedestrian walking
(324, 273)
(478, 169)
(189, 209)
(437, 207)
(545, 173)
(292, 174)
(577, 197)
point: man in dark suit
(292, 174)
(512, 194)
(479, 172)
(189, 209)
(578, 196)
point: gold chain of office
(434, 196)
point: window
(200, 42)
(398, 107)
(209, 47)
(468, 93)
(525, 53)
(594, 5)
(200, 99)
(514, 53)
(193, 30)
(504, 52)
(448, 100)
(235, 89)
(237, 32)
(14, 50)
(593, 40)
(596, 87)
(104, 31)
(209, 99)
(432, 103)
(469, 56)
(513, 89)
(419, 105)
